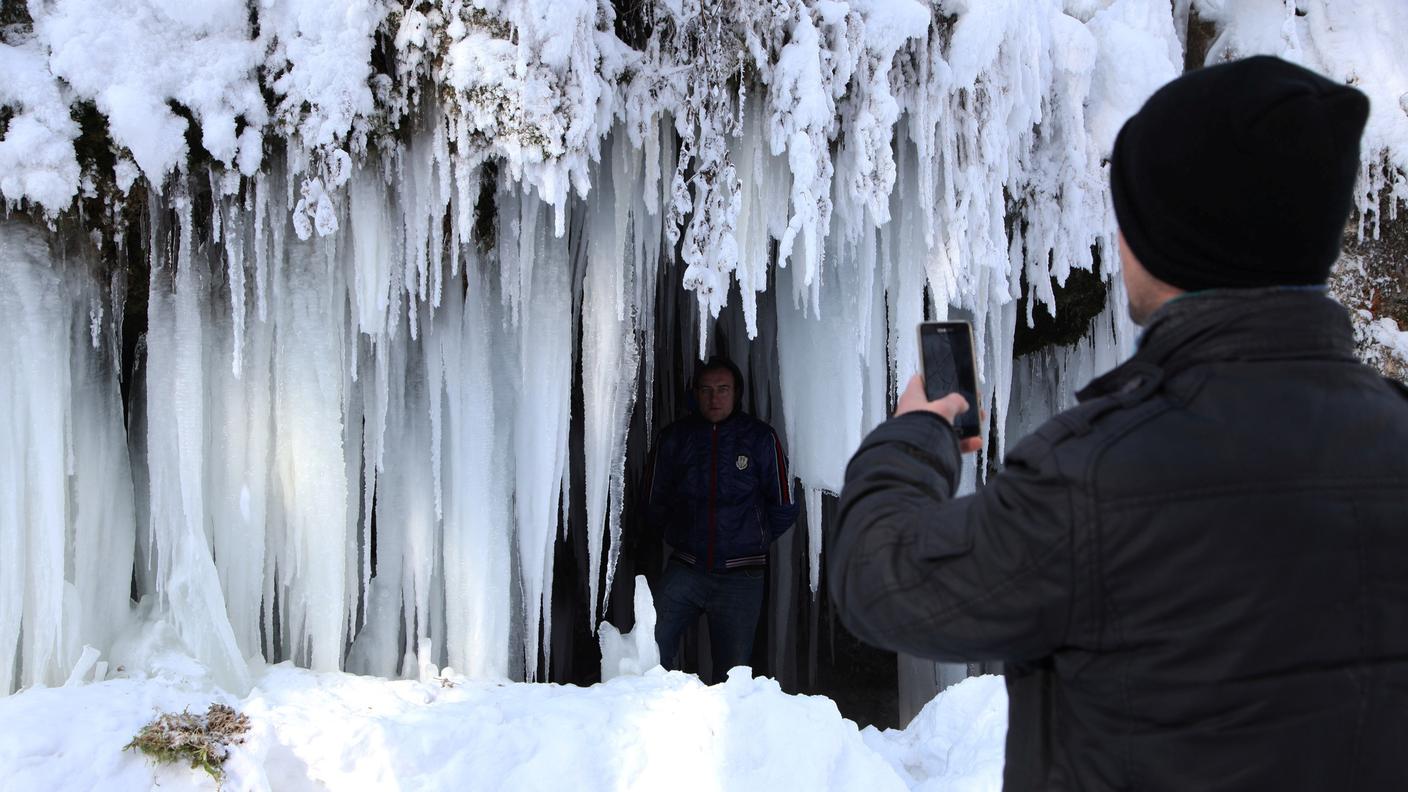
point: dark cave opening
(799, 640)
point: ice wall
(372, 299)
(66, 506)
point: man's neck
(1186, 305)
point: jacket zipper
(713, 490)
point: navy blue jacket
(720, 493)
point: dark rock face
(1371, 279)
(1078, 302)
(1385, 262)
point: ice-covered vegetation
(378, 239)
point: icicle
(406, 522)
(186, 578)
(544, 405)
(439, 206)
(261, 255)
(375, 396)
(34, 347)
(308, 456)
(101, 513)
(477, 512)
(435, 390)
(904, 249)
(823, 424)
(761, 179)
(234, 263)
(371, 251)
(117, 295)
(610, 361)
(664, 142)
(813, 503)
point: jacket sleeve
(658, 496)
(779, 501)
(983, 577)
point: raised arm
(982, 577)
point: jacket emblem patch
(742, 463)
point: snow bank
(335, 731)
(955, 743)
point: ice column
(823, 383)
(185, 576)
(66, 511)
(310, 386)
(610, 361)
(479, 470)
(544, 346)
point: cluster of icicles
(413, 371)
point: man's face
(715, 394)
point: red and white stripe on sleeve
(784, 481)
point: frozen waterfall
(408, 318)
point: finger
(969, 445)
(912, 397)
(915, 386)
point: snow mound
(955, 743)
(664, 730)
(634, 652)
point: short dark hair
(721, 363)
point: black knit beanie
(1239, 175)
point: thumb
(952, 405)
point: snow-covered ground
(339, 731)
(333, 730)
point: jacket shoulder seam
(1356, 485)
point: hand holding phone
(912, 399)
(949, 366)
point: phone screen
(947, 349)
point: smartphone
(949, 364)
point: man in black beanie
(1197, 578)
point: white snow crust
(444, 731)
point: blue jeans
(731, 601)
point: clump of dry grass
(202, 740)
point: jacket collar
(737, 416)
(1231, 324)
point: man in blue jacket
(719, 491)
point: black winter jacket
(721, 493)
(1198, 577)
